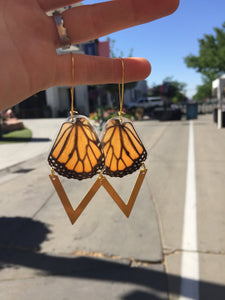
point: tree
(211, 59)
(172, 89)
(204, 91)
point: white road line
(189, 264)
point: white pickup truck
(147, 103)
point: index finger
(87, 22)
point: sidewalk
(103, 256)
(44, 132)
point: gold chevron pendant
(74, 214)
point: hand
(29, 39)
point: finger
(48, 5)
(87, 22)
(99, 70)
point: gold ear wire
(121, 91)
(72, 111)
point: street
(171, 247)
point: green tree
(204, 91)
(210, 61)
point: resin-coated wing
(123, 150)
(77, 151)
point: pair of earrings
(78, 153)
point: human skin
(29, 39)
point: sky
(166, 41)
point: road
(168, 183)
(177, 226)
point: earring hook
(72, 111)
(121, 91)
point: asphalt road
(168, 184)
(104, 255)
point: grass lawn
(17, 136)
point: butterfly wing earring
(124, 153)
(77, 154)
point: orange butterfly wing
(123, 149)
(77, 151)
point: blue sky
(165, 42)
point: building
(138, 91)
(218, 91)
(55, 101)
(218, 88)
(58, 98)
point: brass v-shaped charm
(74, 214)
(126, 208)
